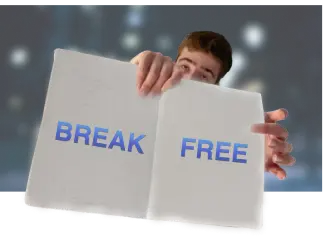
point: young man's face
(199, 66)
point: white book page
(208, 166)
(95, 147)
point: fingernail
(272, 143)
(142, 91)
(275, 159)
(282, 177)
(273, 172)
(285, 111)
(155, 92)
(256, 127)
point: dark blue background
(287, 68)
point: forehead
(201, 59)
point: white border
(155, 225)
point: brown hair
(210, 42)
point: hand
(277, 150)
(156, 73)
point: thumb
(277, 171)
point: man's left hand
(277, 150)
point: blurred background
(277, 51)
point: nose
(192, 74)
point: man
(207, 56)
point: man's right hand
(156, 73)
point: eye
(185, 67)
(204, 77)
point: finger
(174, 79)
(153, 75)
(135, 60)
(165, 74)
(275, 116)
(277, 171)
(143, 67)
(285, 160)
(280, 146)
(270, 129)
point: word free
(219, 150)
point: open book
(187, 155)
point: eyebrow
(204, 68)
